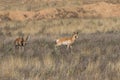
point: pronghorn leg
(57, 51)
(19, 48)
(23, 48)
(68, 46)
(56, 47)
(15, 47)
(71, 47)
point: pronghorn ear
(76, 32)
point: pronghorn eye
(76, 36)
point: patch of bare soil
(96, 10)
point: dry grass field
(95, 54)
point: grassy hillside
(42, 4)
(60, 27)
(95, 54)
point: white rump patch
(57, 40)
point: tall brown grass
(95, 54)
(93, 57)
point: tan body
(67, 40)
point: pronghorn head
(75, 35)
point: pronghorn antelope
(21, 42)
(68, 41)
